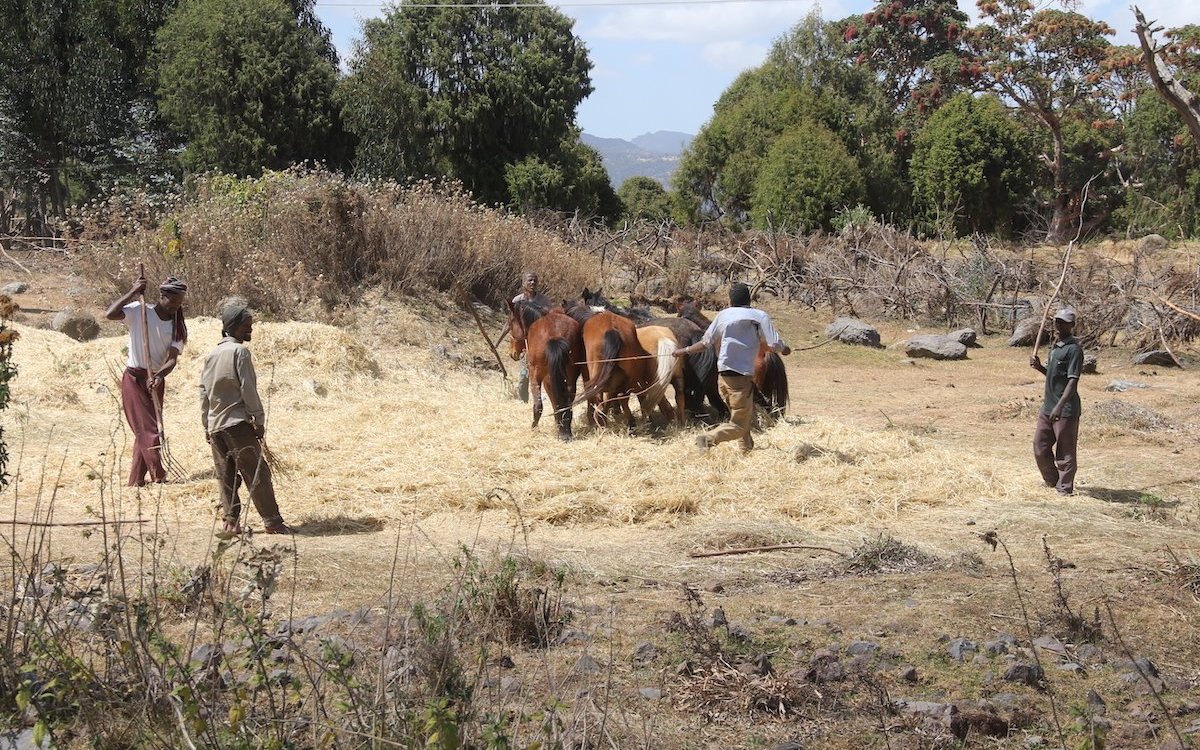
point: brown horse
(553, 346)
(770, 374)
(617, 364)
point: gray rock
(996, 647)
(909, 674)
(1143, 665)
(16, 287)
(1152, 243)
(1073, 667)
(77, 324)
(789, 745)
(650, 693)
(644, 652)
(959, 648)
(853, 331)
(586, 665)
(510, 685)
(1096, 703)
(778, 620)
(1120, 386)
(1026, 329)
(824, 666)
(965, 336)
(857, 648)
(1050, 643)
(568, 637)
(279, 676)
(1090, 363)
(928, 346)
(718, 617)
(1156, 358)
(1025, 674)
(206, 655)
(759, 666)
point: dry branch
(764, 548)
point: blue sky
(661, 67)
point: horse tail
(558, 354)
(664, 372)
(774, 389)
(609, 351)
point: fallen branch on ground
(765, 548)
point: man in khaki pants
(739, 328)
(235, 422)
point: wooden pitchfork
(170, 465)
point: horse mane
(529, 312)
(691, 311)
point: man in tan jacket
(234, 422)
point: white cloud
(734, 55)
(698, 24)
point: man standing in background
(1056, 437)
(235, 422)
(530, 294)
(157, 334)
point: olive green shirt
(1066, 362)
(229, 388)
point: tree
(246, 84)
(575, 181)
(464, 92)
(808, 77)
(973, 162)
(915, 48)
(1050, 63)
(73, 90)
(644, 198)
(807, 177)
(1165, 81)
(1163, 164)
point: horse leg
(623, 404)
(680, 400)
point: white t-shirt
(162, 336)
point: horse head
(596, 300)
(516, 329)
(691, 311)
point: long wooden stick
(765, 548)
(71, 523)
(1177, 308)
(1037, 340)
(467, 303)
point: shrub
(807, 177)
(299, 243)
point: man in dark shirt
(1057, 433)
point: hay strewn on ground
(417, 437)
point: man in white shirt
(157, 334)
(234, 422)
(737, 331)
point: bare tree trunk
(1185, 102)
(1060, 203)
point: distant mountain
(664, 142)
(653, 155)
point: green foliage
(807, 177)
(574, 181)
(8, 371)
(974, 162)
(915, 48)
(1053, 64)
(1159, 152)
(807, 78)
(464, 93)
(246, 83)
(73, 100)
(644, 198)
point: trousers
(1054, 446)
(236, 451)
(738, 392)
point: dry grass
(407, 446)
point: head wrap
(739, 294)
(234, 311)
(174, 286)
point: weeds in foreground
(134, 651)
